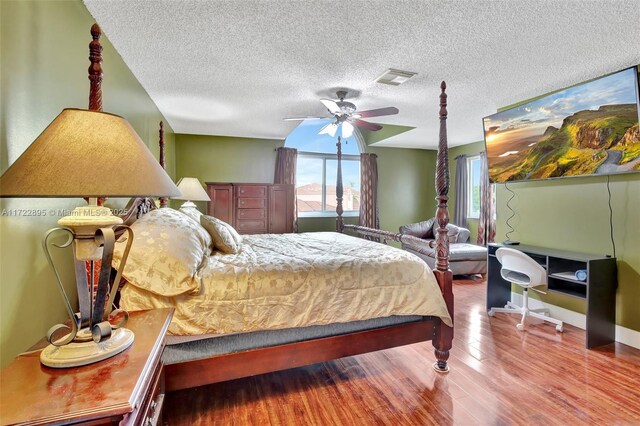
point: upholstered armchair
(464, 259)
(426, 231)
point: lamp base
(188, 204)
(76, 354)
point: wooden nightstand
(126, 389)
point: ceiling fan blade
(302, 118)
(330, 129)
(347, 129)
(365, 124)
(332, 106)
(376, 112)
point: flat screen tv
(588, 129)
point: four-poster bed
(443, 335)
(228, 366)
(348, 342)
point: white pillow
(167, 253)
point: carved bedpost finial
(442, 187)
(339, 192)
(163, 200)
(95, 70)
(443, 101)
(443, 334)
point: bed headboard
(140, 206)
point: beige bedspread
(297, 280)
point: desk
(599, 290)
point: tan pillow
(167, 253)
(223, 240)
(195, 214)
(237, 237)
(192, 212)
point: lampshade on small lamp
(191, 190)
(87, 154)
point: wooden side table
(127, 389)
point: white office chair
(522, 270)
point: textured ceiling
(236, 68)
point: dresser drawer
(257, 226)
(252, 191)
(252, 203)
(151, 413)
(252, 213)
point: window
(473, 187)
(317, 171)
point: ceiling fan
(345, 114)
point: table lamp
(191, 190)
(91, 154)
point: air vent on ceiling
(395, 77)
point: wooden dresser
(127, 389)
(253, 208)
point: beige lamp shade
(191, 190)
(87, 154)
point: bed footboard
(443, 334)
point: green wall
(573, 214)
(44, 50)
(406, 185)
(468, 150)
(406, 176)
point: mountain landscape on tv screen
(555, 137)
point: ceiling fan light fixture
(393, 77)
(347, 130)
(332, 106)
(330, 129)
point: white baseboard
(623, 335)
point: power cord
(613, 242)
(513, 214)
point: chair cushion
(455, 233)
(458, 252)
(515, 277)
(421, 229)
(463, 251)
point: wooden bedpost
(163, 200)
(95, 69)
(443, 337)
(95, 78)
(339, 189)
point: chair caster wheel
(491, 313)
(559, 328)
(520, 327)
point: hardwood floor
(498, 376)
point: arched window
(318, 167)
